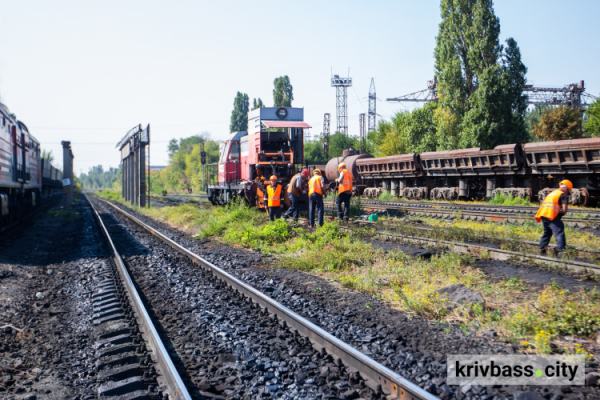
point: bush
(502, 200)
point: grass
(503, 200)
(111, 196)
(387, 196)
(513, 309)
(66, 215)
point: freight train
(530, 170)
(272, 145)
(25, 178)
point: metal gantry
(133, 158)
(572, 95)
(341, 99)
(372, 107)
(425, 95)
(326, 132)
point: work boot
(346, 219)
(542, 252)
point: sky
(88, 71)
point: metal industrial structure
(133, 157)
(572, 95)
(372, 107)
(362, 135)
(341, 100)
(425, 95)
(326, 133)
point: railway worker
(555, 205)
(273, 201)
(344, 182)
(296, 189)
(316, 188)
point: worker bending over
(344, 192)
(555, 205)
(296, 189)
(315, 198)
(273, 201)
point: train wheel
(586, 196)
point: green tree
(185, 169)
(173, 147)
(533, 117)
(239, 115)
(47, 155)
(559, 123)
(338, 142)
(313, 152)
(480, 81)
(592, 122)
(257, 104)
(283, 92)
(98, 178)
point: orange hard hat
(568, 184)
(342, 165)
(317, 172)
(273, 178)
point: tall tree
(257, 104)
(479, 83)
(283, 92)
(239, 115)
(592, 119)
(559, 123)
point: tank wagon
(529, 170)
(273, 145)
(22, 171)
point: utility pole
(361, 123)
(341, 100)
(326, 121)
(372, 107)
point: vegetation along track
(229, 338)
(577, 217)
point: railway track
(106, 303)
(360, 368)
(577, 217)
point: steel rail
(487, 211)
(472, 207)
(175, 386)
(376, 376)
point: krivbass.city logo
(515, 370)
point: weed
(386, 195)
(66, 215)
(503, 200)
(368, 306)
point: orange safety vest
(550, 208)
(346, 183)
(274, 196)
(315, 185)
